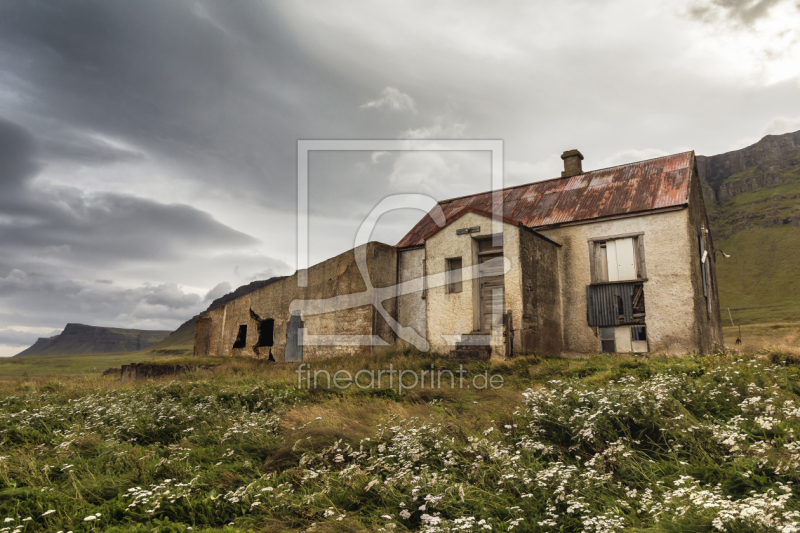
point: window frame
(596, 243)
(602, 339)
(453, 285)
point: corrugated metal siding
(602, 307)
(633, 188)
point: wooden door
(492, 291)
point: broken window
(607, 343)
(618, 259)
(241, 337)
(454, 282)
(623, 339)
(265, 328)
(639, 339)
(614, 304)
(490, 246)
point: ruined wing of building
(613, 260)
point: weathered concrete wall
(411, 306)
(669, 291)
(336, 276)
(708, 326)
(538, 328)
(454, 314)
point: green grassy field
(760, 282)
(90, 365)
(607, 443)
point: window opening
(241, 337)
(454, 281)
(607, 342)
(618, 260)
(265, 330)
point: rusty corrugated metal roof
(632, 188)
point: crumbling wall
(136, 371)
(411, 306)
(538, 328)
(707, 329)
(335, 277)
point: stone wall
(332, 278)
(411, 306)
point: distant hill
(753, 200)
(81, 339)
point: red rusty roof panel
(633, 188)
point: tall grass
(603, 444)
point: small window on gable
(454, 282)
(618, 259)
(241, 337)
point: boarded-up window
(454, 281)
(618, 259)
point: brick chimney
(572, 163)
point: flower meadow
(599, 445)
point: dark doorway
(265, 328)
(241, 338)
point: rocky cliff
(772, 161)
(753, 201)
(82, 339)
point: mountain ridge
(82, 339)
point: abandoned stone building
(612, 260)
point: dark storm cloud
(99, 227)
(17, 149)
(221, 89)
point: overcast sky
(148, 148)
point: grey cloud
(12, 337)
(393, 99)
(221, 289)
(744, 11)
(17, 151)
(100, 304)
(101, 226)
